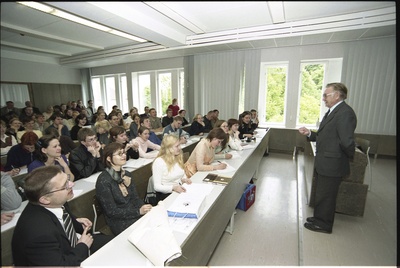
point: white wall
(13, 70)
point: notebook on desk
(217, 179)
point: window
(164, 89)
(144, 91)
(110, 90)
(275, 93)
(311, 83)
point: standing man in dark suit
(40, 238)
(335, 146)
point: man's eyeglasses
(66, 186)
(328, 94)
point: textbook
(217, 179)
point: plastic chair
(365, 147)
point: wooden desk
(198, 245)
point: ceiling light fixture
(276, 11)
(74, 18)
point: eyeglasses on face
(66, 186)
(327, 94)
(121, 153)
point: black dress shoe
(316, 228)
(310, 219)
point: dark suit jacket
(335, 142)
(40, 240)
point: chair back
(364, 144)
(99, 222)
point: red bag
(248, 197)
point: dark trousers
(325, 200)
(100, 240)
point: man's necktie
(326, 115)
(69, 228)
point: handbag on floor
(248, 197)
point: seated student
(21, 155)
(28, 123)
(145, 122)
(222, 150)
(116, 191)
(197, 127)
(155, 121)
(10, 198)
(40, 123)
(118, 134)
(234, 141)
(48, 153)
(182, 113)
(14, 126)
(134, 126)
(204, 153)
(102, 132)
(7, 141)
(85, 159)
(254, 118)
(168, 168)
(245, 129)
(168, 119)
(66, 143)
(175, 129)
(57, 119)
(208, 124)
(174, 107)
(143, 140)
(40, 238)
(80, 122)
(129, 117)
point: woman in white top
(234, 141)
(168, 168)
(145, 143)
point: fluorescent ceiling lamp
(276, 11)
(73, 18)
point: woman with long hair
(203, 154)
(221, 151)
(116, 191)
(80, 122)
(48, 153)
(144, 143)
(135, 125)
(233, 132)
(168, 168)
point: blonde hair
(102, 124)
(167, 154)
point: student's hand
(183, 140)
(6, 217)
(145, 208)
(86, 223)
(61, 161)
(228, 156)
(178, 188)
(186, 180)
(201, 134)
(86, 238)
(14, 171)
(220, 166)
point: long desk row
(84, 191)
(198, 240)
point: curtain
(87, 90)
(18, 93)
(369, 72)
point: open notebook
(153, 237)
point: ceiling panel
(241, 25)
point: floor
(271, 232)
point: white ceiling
(184, 28)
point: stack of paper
(153, 237)
(190, 204)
